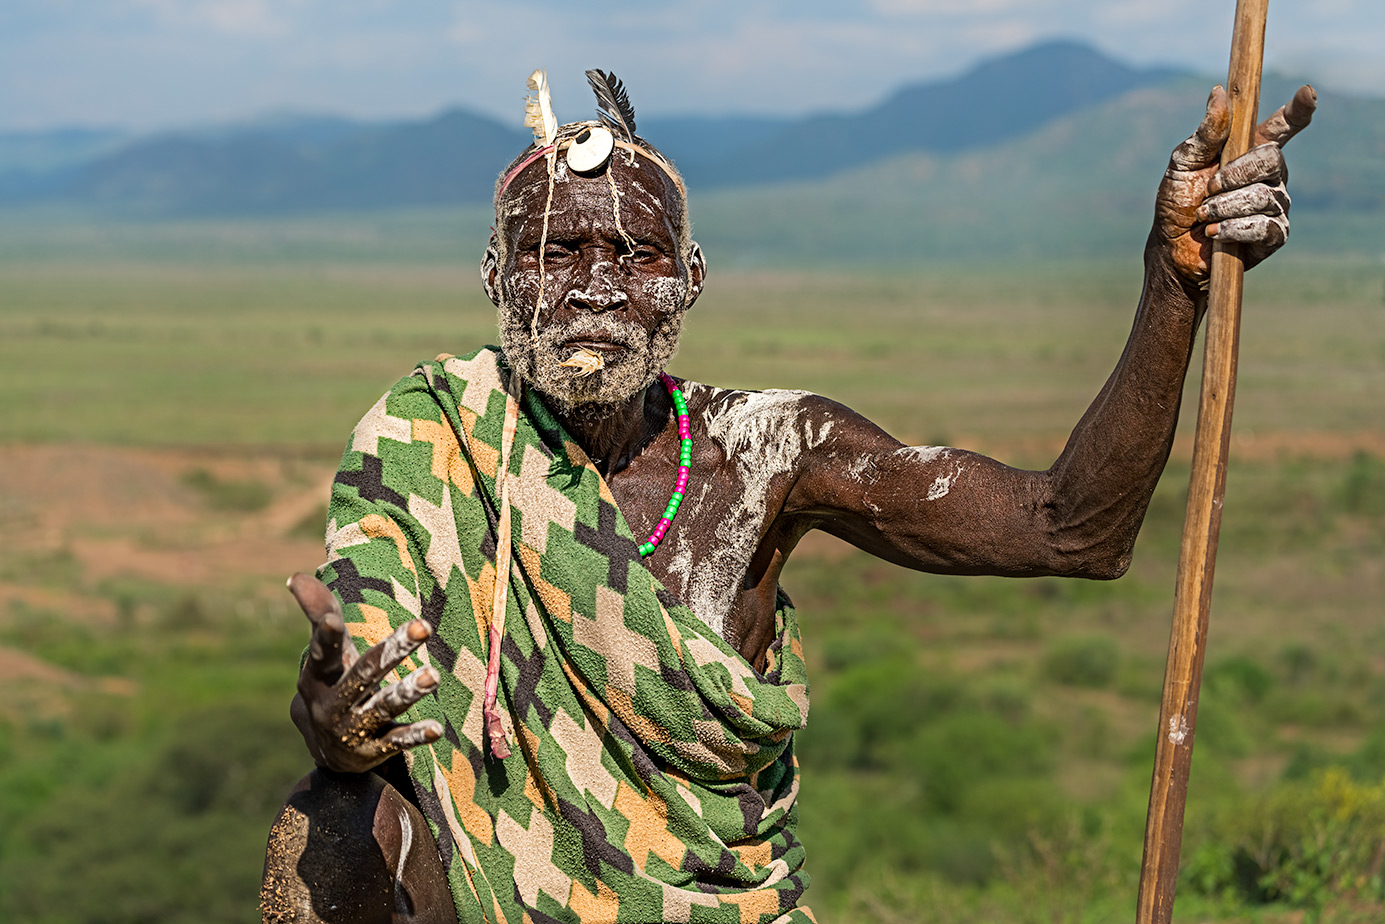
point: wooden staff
(1198, 555)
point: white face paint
(588, 279)
(623, 374)
(593, 291)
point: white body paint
(763, 434)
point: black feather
(613, 104)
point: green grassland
(979, 749)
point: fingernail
(418, 630)
(427, 679)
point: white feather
(538, 110)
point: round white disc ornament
(590, 149)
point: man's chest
(722, 554)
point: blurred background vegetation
(177, 389)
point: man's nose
(603, 291)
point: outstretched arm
(952, 511)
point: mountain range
(1018, 148)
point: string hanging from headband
(538, 115)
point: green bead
(676, 498)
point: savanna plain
(175, 397)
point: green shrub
(235, 496)
(870, 705)
(1085, 661)
(1238, 676)
(1315, 844)
(177, 836)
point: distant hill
(1080, 186)
(300, 167)
(994, 102)
(313, 164)
(1054, 151)
(44, 151)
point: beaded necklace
(680, 406)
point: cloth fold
(651, 774)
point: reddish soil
(130, 512)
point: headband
(566, 144)
(591, 148)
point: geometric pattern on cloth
(651, 776)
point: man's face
(619, 295)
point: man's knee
(350, 848)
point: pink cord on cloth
(495, 730)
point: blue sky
(158, 63)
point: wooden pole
(1198, 555)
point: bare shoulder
(774, 430)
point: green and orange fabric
(651, 775)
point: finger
(1290, 119)
(1263, 164)
(397, 697)
(1258, 199)
(403, 737)
(1260, 230)
(372, 666)
(325, 649)
(1204, 146)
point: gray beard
(605, 391)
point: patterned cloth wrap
(651, 776)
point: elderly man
(556, 718)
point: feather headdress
(613, 106)
(538, 111)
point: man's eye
(644, 253)
(553, 251)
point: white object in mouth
(585, 361)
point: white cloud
(174, 61)
(243, 18)
(970, 8)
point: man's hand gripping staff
(1245, 202)
(345, 716)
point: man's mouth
(596, 346)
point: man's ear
(697, 274)
(490, 271)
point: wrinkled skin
(770, 467)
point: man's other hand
(1245, 202)
(344, 715)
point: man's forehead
(644, 190)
